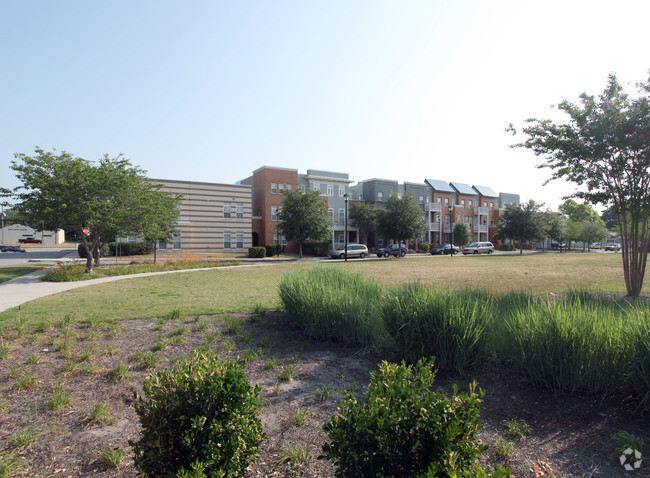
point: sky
(212, 90)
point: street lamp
(347, 198)
(451, 228)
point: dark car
(445, 249)
(392, 250)
(11, 249)
(29, 240)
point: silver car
(479, 248)
(354, 250)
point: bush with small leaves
(404, 429)
(198, 419)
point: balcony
(483, 228)
(433, 207)
(434, 226)
(482, 211)
(448, 228)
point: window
(360, 197)
(341, 213)
(447, 218)
(275, 238)
(226, 241)
(421, 199)
(468, 221)
(484, 203)
(380, 242)
(492, 206)
(341, 191)
(491, 221)
(330, 190)
(330, 214)
(439, 199)
(240, 211)
(470, 203)
(281, 186)
(446, 201)
(462, 202)
(177, 240)
(288, 187)
(459, 218)
(316, 187)
(274, 213)
(274, 188)
(240, 240)
(226, 210)
(162, 246)
(284, 241)
(437, 216)
(380, 196)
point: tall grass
(331, 303)
(579, 344)
(449, 325)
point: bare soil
(569, 435)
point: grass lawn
(8, 273)
(242, 288)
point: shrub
(316, 248)
(424, 247)
(130, 248)
(450, 325)
(508, 247)
(200, 415)
(256, 252)
(404, 429)
(271, 249)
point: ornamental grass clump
(334, 304)
(200, 416)
(403, 429)
(450, 325)
(577, 344)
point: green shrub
(316, 248)
(405, 430)
(130, 248)
(450, 325)
(271, 249)
(424, 247)
(257, 252)
(507, 247)
(331, 303)
(201, 415)
(640, 366)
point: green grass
(8, 273)
(110, 456)
(100, 416)
(234, 290)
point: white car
(354, 250)
(479, 248)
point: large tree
(364, 216)
(402, 219)
(523, 223)
(98, 200)
(604, 148)
(303, 216)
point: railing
(480, 210)
(448, 228)
(434, 226)
(434, 207)
(483, 228)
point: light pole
(451, 228)
(3, 223)
(346, 197)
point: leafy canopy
(402, 219)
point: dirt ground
(569, 435)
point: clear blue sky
(211, 90)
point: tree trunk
(300, 249)
(155, 255)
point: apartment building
(212, 216)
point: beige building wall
(204, 223)
(11, 234)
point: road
(36, 254)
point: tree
(593, 231)
(604, 148)
(402, 219)
(364, 216)
(610, 218)
(303, 216)
(556, 227)
(106, 198)
(161, 226)
(461, 234)
(522, 222)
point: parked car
(595, 245)
(354, 250)
(613, 246)
(11, 249)
(445, 249)
(29, 240)
(558, 245)
(392, 250)
(479, 248)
